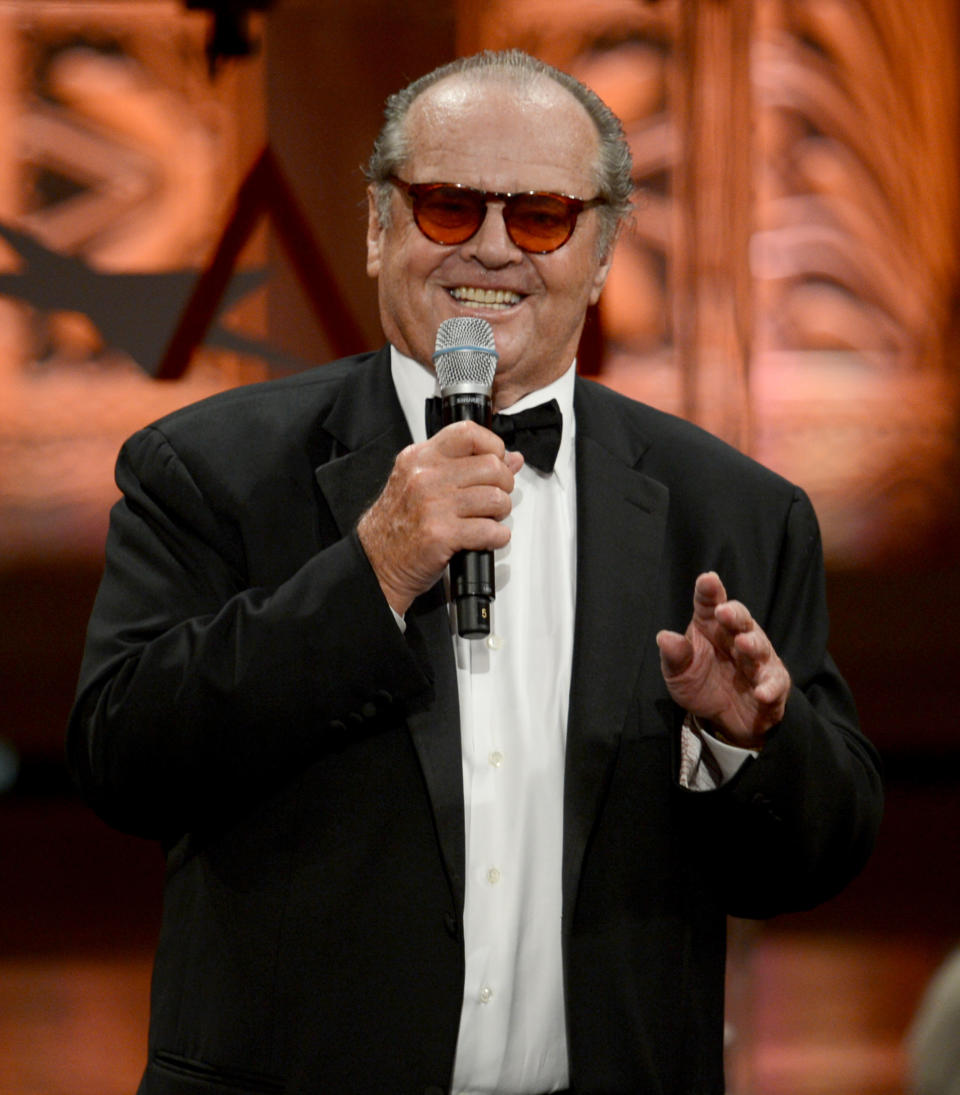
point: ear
(603, 268)
(374, 234)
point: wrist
(396, 597)
(753, 742)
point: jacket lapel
(621, 518)
(368, 425)
(368, 429)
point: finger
(483, 501)
(753, 655)
(421, 478)
(774, 688)
(514, 461)
(770, 697)
(767, 690)
(747, 666)
(762, 668)
(735, 617)
(754, 644)
(480, 470)
(467, 438)
(708, 592)
(482, 534)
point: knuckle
(467, 432)
(416, 474)
(491, 464)
(496, 501)
(407, 457)
(433, 529)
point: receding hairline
(530, 82)
(533, 86)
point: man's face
(491, 135)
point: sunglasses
(536, 221)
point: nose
(491, 245)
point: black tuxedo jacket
(247, 699)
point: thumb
(676, 652)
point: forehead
(498, 133)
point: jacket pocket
(172, 1074)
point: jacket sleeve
(198, 690)
(800, 820)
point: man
(399, 860)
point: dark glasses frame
(418, 192)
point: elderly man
(404, 860)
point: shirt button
(485, 994)
(495, 758)
(495, 642)
(493, 876)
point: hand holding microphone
(447, 495)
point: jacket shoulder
(307, 392)
(241, 439)
(673, 449)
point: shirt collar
(415, 384)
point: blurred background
(182, 210)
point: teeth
(469, 295)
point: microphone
(465, 360)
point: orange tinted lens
(448, 214)
(540, 222)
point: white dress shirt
(514, 689)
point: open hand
(724, 668)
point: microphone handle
(471, 572)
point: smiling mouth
(486, 298)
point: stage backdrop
(789, 279)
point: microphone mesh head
(465, 353)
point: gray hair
(613, 168)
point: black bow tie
(534, 432)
